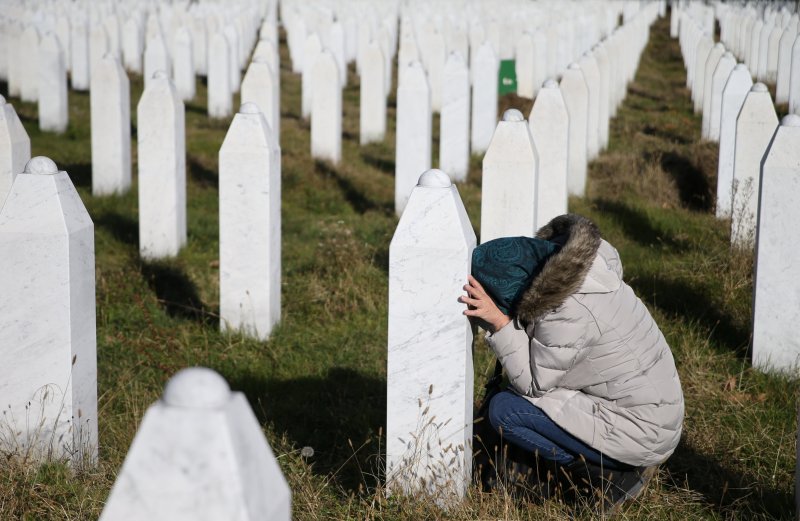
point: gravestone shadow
(176, 292)
(325, 412)
(79, 173)
(387, 166)
(694, 189)
(725, 488)
(357, 200)
(636, 225)
(203, 176)
(122, 228)
(692, 302)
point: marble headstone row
(759, 168)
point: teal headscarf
(505, 267)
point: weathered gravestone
(313, 48)
(735, 91)
(28, 49)
(220, 96)
(110, 127)
(156, 58)
(199, 455)
(250, 225)
(591, 75)
(48, 349)
(776, 295)
(754, 129)
(79, 71)
(183, 64)
(704, 47)
(454, 121)
(713, 60)
(713, 118)
(429, 366)
(549, 125)
(413, 146)
(509, 184)
(372, 113)
(15, 148)
(484, 98)
(576, 99)
(132, 44)
(53, 107)
(326, 110)
(259, 87)
(162, 169)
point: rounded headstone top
(2, 100)
(573, 66)
(719, 45)
(513, 115)
(249, 107)
(197, 388)
(41, 165)
(759, 87)
(550, 84)
(728, 55)
(434, 178)
(740, 67)
(790, 120)
(160, 75)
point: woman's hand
(480, 305)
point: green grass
(320, 379)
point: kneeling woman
(593, 383)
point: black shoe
(610, 488)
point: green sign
(507, 80)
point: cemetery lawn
(320, 380)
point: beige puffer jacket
(584, 349)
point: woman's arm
(510, 344)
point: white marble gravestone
(199, 455)
(79, 70)
(549, 125)
(48, 349)
(509, 184)
(735, 91)
(604, 66)
(111, 128)
(794, 78)
(197, 28)
(15, 148)
(232, 36)
(326, 110)
(434, 53)
(313, 48)
(132, 47)
(524, 65)
(162, 170)
(701, 55)
(776, 292)
(183, 64)
(250, 226)
(414, 122)
(98, 44)
(53, 106)
(713, 118)
(258, 86)
(576, 99)
(372, 113)
(28, 49)
(454, 121)
(591, 75)
(713, 60)
(429, 367)
(754, 129)
(62, 30)
(220, 95)
(484, 98)
(156, 58)
(785, 64)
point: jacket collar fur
(563, 272)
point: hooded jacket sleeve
(537, 363)
(511, 346)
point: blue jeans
(520, 422)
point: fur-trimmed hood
(565, 271)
